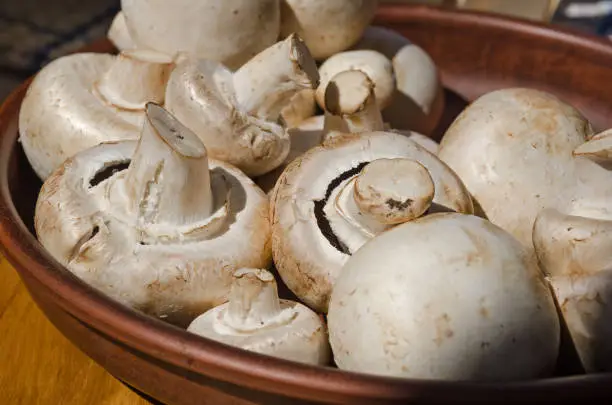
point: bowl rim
(202, 356)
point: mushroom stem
(253, 300)
(168, 180)
(266, 84)
(135, 78)
(387, 192)
(351, 104)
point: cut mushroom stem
(350, 96)
(168, 180)
(385, 193)
(266, 84)
(253, 302)
(135, 78)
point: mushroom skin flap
(163, 235)
(316, 222)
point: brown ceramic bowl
(476, 53)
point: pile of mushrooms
(232, 145)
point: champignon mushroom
(446, 296)
(515, 148)
(229, 31)
(80, 100)
(352, 109)
(155, 224)
(236, 114)
(327, 26)
(335, 197)
(301, 107)
(418, 102)
(374, 64)
(119, 34)
(255, 319)
(573, 244)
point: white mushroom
(574, 244)
(301, 107)
(449, 297)
(80, 100)
(163, 232)
(119, 34)
(229, 31)
(255, 319)
(236, 114)
(374, 64)
(352, 109)
(418, 102)
(534, 166)
(514, 150)
(327, 26)
(330, 201)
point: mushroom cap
(201, 94)
(418, 101)
(119, 34)
(265, 324)
(375, 65)
(228, 31)
(470, 304)
(514, 148)
(327, 26)
(175, 280)
(61, 115)
(307, 253)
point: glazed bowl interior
(476, 54)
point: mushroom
(236, 114)
(352, 109)
(80, 100)
(448, 297)
(327, 26)
(301, 107)
(155, 224)
(573, 244)
(374, 64)
(229, 31)
(526, 148)
(515, 148)
(255, 319)
(418, 101)
(119, 34)
(334, 198)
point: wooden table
(38, 366)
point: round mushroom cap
(310, 242)
(228, 31)
(515, 148)
(375, 65)
(327, 26)
(469, 303)
(62, 115)
(176, 277)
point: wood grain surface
(38, 366)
